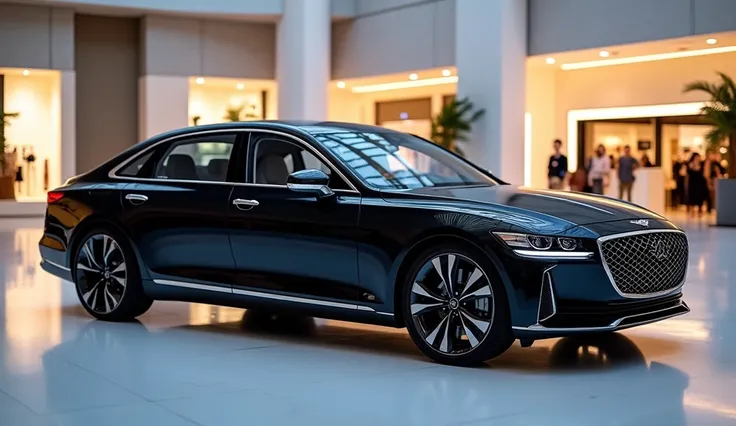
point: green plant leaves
(454, 123)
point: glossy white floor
(187, 364)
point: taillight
(53, 197)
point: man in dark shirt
(626, 166)
(557, 167)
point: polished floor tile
(193, 364)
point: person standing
(626, 166)
(557, 167)
(697, 186)
(713, 171)
(599, 169)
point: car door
(289, 242)
(174, 208)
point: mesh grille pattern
(646, 263)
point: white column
(163, 104)
(68, 126)
(490, 53)
(303, 60)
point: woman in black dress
(697, 185)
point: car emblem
(641, 222)
(660, 250)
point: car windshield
(394, 161)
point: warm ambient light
(199, 80)
(413, 76)
(446, 73)
(26, 72)
(527, 149)
(240, 86)
(604, 53)
(405, 84)
(550, 61)
(647, 58)
(711, 41)
(723, 150)
(574, 116)
(340, 84)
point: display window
(31, 133)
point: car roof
(313, 128)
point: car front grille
(646, 264)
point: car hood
(572, 207)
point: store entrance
(661, 144)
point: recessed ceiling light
(604, 53)
(240, 86)
(26, 72)
(446, 73)
(340, 84)
(648, 58)
(550, 61)
(199, 80)
(413, 76)
(711, 41)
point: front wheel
(107, 277)
(457, 312)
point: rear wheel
(457, 313)
(107, 277)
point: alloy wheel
(101, 273)
(452, 304)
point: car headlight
(544, 247)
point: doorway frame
(574, 117)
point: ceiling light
(647, 58)
(723, 150)
(26, 72)
(199, 80)
(405, 84)
(240, 86)
(711, 41)
(604, 54)
(446, 73)
(413, 76)
(550, 61)
(340, 84)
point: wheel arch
(450, 235)
(99, 221)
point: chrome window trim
(265, 295)
(674, 290)
(615, 325)
(112, 174)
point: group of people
(597, 171)
(694, 176)
(695, 179)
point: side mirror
(312, 181)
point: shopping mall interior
(198, 364)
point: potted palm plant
(453, 124)
(720, 112)
(7, 176)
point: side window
(134, 168)
(275, 159)
(205, 159)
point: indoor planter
(720, 112)
(7, 176)
(453, 124)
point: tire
(107, 277)
(450, 330)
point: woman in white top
(599, 168)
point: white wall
(37, 98)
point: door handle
(245, 204)
(136, 199)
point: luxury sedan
(363, 224)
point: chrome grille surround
(644, 264)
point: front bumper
(575, 318)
